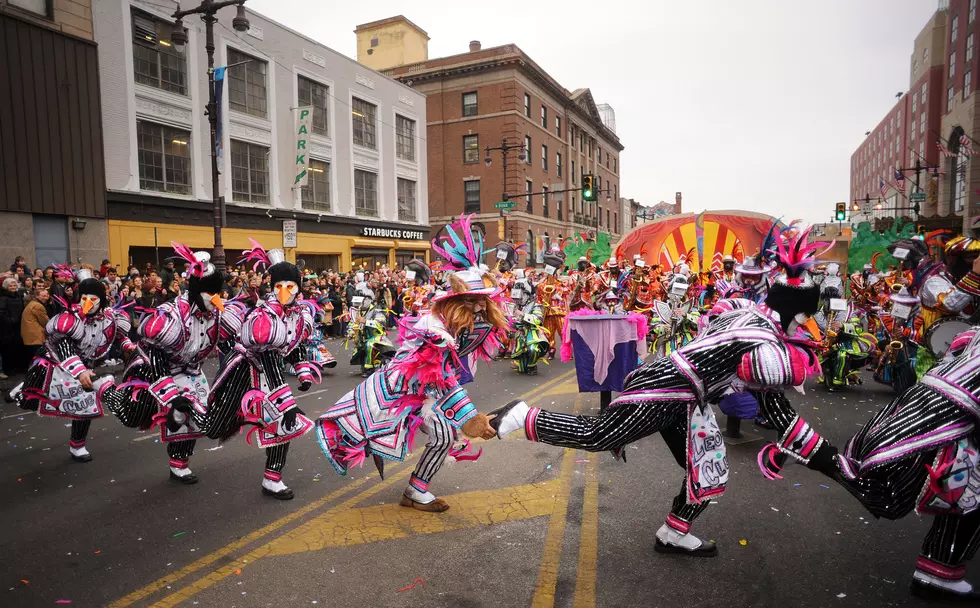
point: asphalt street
(530, 524)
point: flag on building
(882, 187)
(965, 145)
(942, 148)
(900, 180)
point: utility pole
(208, 10)
(505, 149)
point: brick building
(487, 97)
(52, 178)
(906, 134)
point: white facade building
(367, 153)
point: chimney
(677, 203)
(475, 46)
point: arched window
(529, 238)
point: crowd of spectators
(30, 297)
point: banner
(304, 116)
(219, 90)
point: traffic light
(841, 212)
(588, 188)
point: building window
(544, 201)
(616, 165)
(616, 222)
(571, 208)
(949, 99)
(608, 225)
(915, 103)
(958, 190)
(952, 64)
(581, 141)
(527, 148)
(471, 148)
(247, 84)
(558, 163)
(363, 114)
(598, 156)
(599, 214)
(156, 62)
(573, 171)
(249, 173)
(527, 105)
(544, 157)
(406, 200)
(924, 91)
(954, 28)
(316, 193)
(912, 130)
(544, 116)
(973, 11)
(315, 94)
(559, 209)
(966, 84)
(922, 122)
(365, 193)
(469, 104)
(591, 149)
(164, 158)
(528, 189)
(404, 137)
(969, 48)
(38, 7)
(558, 126)
(615, 192)
(472, 190)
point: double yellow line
(250, 558)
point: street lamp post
(208, 10)
(505, 149)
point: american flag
(900, 180)
(965, 145)
(943, 149)
(883, 187)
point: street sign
(504, 205)
(288, 234)
(918, 197)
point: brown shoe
(436, 506)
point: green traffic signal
(841, 216)
(587, 194)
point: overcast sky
(739, 104)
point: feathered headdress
(200, 262)
(64, 271)
(257, 256)
(797, 255)
(768, 249)
(460, 252)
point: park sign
(504, 205)
(304, 117)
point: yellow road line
(392, 521)
(544, 591)
(205, 561)
(264, 550)
(588, 548)
(257, 534)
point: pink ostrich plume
(460, 250)
(256, 255)
(64, 271)
(197, 267)
(796, 255)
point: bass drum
(942, 333)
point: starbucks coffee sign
(393, 233)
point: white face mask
(795, 324)
(286, 292)
(90, 304)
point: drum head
(942, 333)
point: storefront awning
(373, 243)
(413, 245)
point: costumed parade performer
(901, 331)
(746, 346)
(250, 388)
(422, 387)
(530, 343)
(368, 330)
(418, 290)
(919, 453)
(61, 380)
(551, 295)
(164, 382)
(849, 346)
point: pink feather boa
(638, 320)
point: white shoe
(509, 418)
(3, 376)
(960, 586)
(180, 472)
(670, 540)
(423, 498)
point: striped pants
(138, 413)
(442, 435)
(79, 431)
(617, 427)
